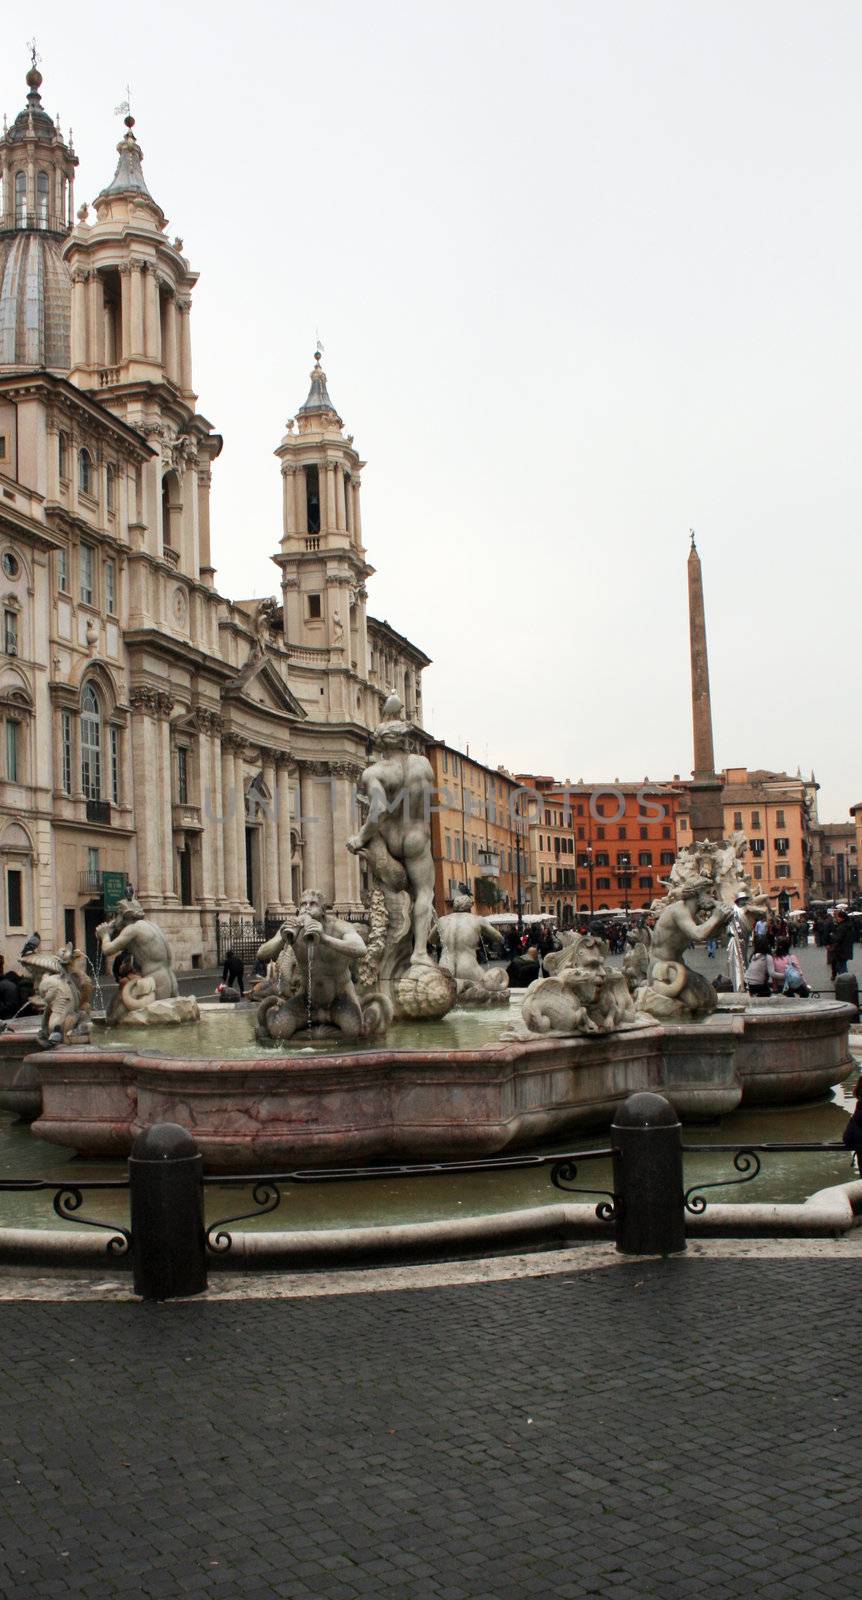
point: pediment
(259, 684)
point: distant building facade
(477, 832)
(834, 861)
(776, 812)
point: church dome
(35, 302)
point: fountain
(365, 1052)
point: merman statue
(461, 932)
(316, 953)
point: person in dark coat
(840, 948)
(233, 971)
(524, 970)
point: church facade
(155, 733)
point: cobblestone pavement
(667, 1429)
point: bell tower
(131, 343)
(322, 557)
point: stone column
(216, 809)
(125, 272)
(79, 317)
(288, 473)
(184, 307)
(136, 337)
(270, 831)
(299, 501)
(285, 891)
(207, 724)
(239, 820)
(97, 321)
(316, 828)
(150, 708)
(357, 516)
(340, 500)
(348, 503)
(345, 866)
(153, 321)
(166, 795)
(169, 353)
(204, 483)
(228, 820)
(328, 523)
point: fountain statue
(460, 933)
(67, 991)
(314, 990)
(705, 889)
(148, 991)
(395, 840)
(582, 995)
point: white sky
(586, 274)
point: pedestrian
(525, 969)
(852, 1135)
(840, 947)
(712, 947)
(760, 970)
(794, 979)
(232, 972)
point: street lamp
(589, 855)
(624, 877)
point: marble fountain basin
(444, 1091)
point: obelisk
(707, 818)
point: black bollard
(645, 1136)
(166, 1195)
(847, 989)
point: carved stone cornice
(314, 769)
(346, 769)
(156, 702)
(234, 741)
(283, 758)
(288, 468)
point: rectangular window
(445, 761)
(603, 883)
(66, 751)
(737, 821)
(758, 870)
(665, 832)
(110, 588)
(645, 883)
(779, 819)
(314, 607)
(622, 832)
(63, 571)
(645, 858)
(667, 858)
(755, 819)
(10, 633)
(86, 574)
(457, 847)
(183, 776)
(782, 871)
(782, 846)
(14, 898)
(600, 832)
(448, 847)
(114, 754)
(2, 447)
(92, 858)
(756, 847)
(644, 832)
(12, 752)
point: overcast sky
(586, 274)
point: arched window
(91, 744)
(171, 510)
(85, 472)
(42, 200)
(21, 199)
(110, 476)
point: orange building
(598, 846)
(776, 812)
(475, 827)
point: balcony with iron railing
(35, 222)
(90, 881)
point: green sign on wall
(113, 889)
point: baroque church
(154, 733)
